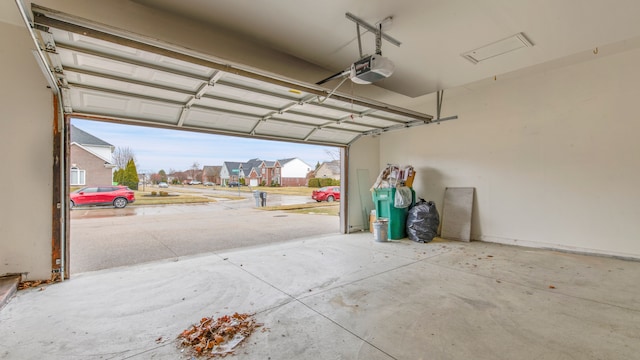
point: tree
(118, 176)
(155, 178)
(127, 176)
(179, 177)
(131, 175)
(122, 155)
(333, 153)
(163, 175)
(195, 169)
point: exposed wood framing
(56, 206)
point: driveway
(103, 238)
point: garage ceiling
(106, 75)
(434, 33)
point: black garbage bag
(423, 221)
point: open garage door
(107, 74)
(111, 75)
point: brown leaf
(212, 334)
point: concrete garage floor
(343, 297)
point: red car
(118, 196)
(328, 193)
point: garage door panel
(88, 101)
(77, 40)
(274, 128)
(332, 136)
(109, 85)
(107, 67)
(307, 119)
(168, 79)
(375, 121)
(158, 110)
(262, 86)
(110, 73)
(314, 110)
(95, 63)
(210, 120)
(234, 107)
(223, 90)
(355, 126)
(113, 50)
(347, 107)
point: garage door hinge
(40, 27)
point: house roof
(284, 161)
(253, 163)
(81, 137)
(250, 165)
(231, 165)
(333, 166)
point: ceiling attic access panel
(115, 75)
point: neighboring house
(329, 169)
(294, 172)
(270, 173)
(211, 174)
(254, 172)
(230, 172)
(90, 159)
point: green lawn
(179, 197)
(294, 190)
(145, 198)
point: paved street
(105, 237)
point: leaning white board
(456, 213)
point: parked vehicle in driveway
(195, 182)
(118, 196)
(327, 193)
(163, 185)
(234, 184)
(208, 183)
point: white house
(294, 172)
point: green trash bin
(384, 200)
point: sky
(157, 149)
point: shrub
(164, 193)
(153, 193)
(325, 182)
(322, 182)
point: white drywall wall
(553, 156)
(26, 148)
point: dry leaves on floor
(218, 337)
(35, 283)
